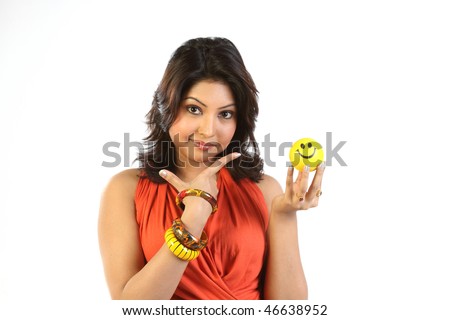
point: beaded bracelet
(186, 238)
(197, 193)
(178, 249)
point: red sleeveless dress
(230, 267)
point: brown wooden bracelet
(186, 238)
(197, 193)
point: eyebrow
(228, 105)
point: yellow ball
(307, 152)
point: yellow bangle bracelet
(179, 250)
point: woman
(199, 219)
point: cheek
(172, 131)
(228, 133)
(182, 129)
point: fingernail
(237, 155)
(162, 173)
(322, 165)
(306, 169)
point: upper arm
(270, 188)
(119, 233)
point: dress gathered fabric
(231, 265)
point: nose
(207, 127)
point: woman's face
(205, 123)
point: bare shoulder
(126, 176)
(270, 188)
(117, 208)
(269, 184)
(124, 182)
(120, 191)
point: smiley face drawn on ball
(301, 151)
(306, 152)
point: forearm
(285, 278)
(159, 278)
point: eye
(303, 146)
(227, 114)
(309, 144)
(193, 109)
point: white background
(77, 74)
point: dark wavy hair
(200, 59)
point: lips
(205, 146)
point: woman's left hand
(297, 195)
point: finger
(220, 163)
(172, 179)
(290, 182)
(303, 182)
(316, 184)
(299, 177)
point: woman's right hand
(206, 180)
(198, 210)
